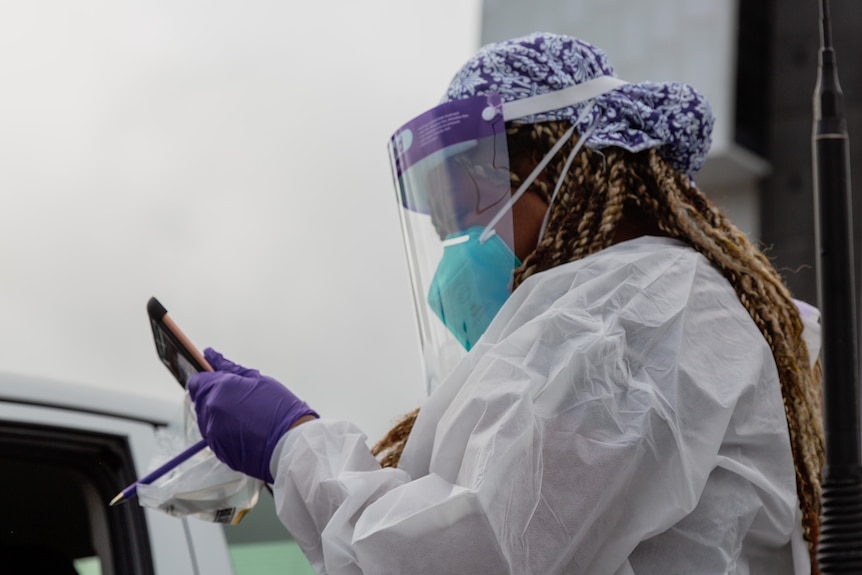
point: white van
(66, 450)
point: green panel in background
(88, 566)
(274, 558)
(260, 545)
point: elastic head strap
(563, 174)
(570, 96)
(489, 229)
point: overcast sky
(228, 158)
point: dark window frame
(106, 461)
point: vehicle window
(260, 545)
(54, 488)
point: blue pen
(132, 489)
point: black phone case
(179, 361)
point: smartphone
(172, 346)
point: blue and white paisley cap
(670, 116)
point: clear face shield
(451, 170)
(452, 177)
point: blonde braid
(768, 301)
(391, 446)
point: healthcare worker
(637, 396)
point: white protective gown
(621, 415)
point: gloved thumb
(200, 382)
(220, 363)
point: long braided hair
(598, 188)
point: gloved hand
(242, 414)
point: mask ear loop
(489, 231)
(580, 144)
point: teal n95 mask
(451, 171)
(472, 282)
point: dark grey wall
(787, 226)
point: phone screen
(171, 355)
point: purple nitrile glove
(242, 414)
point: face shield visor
(451, 171)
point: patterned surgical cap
(670, 116)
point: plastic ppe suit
(622, 414)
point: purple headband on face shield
(671, 116)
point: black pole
(840, 548)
